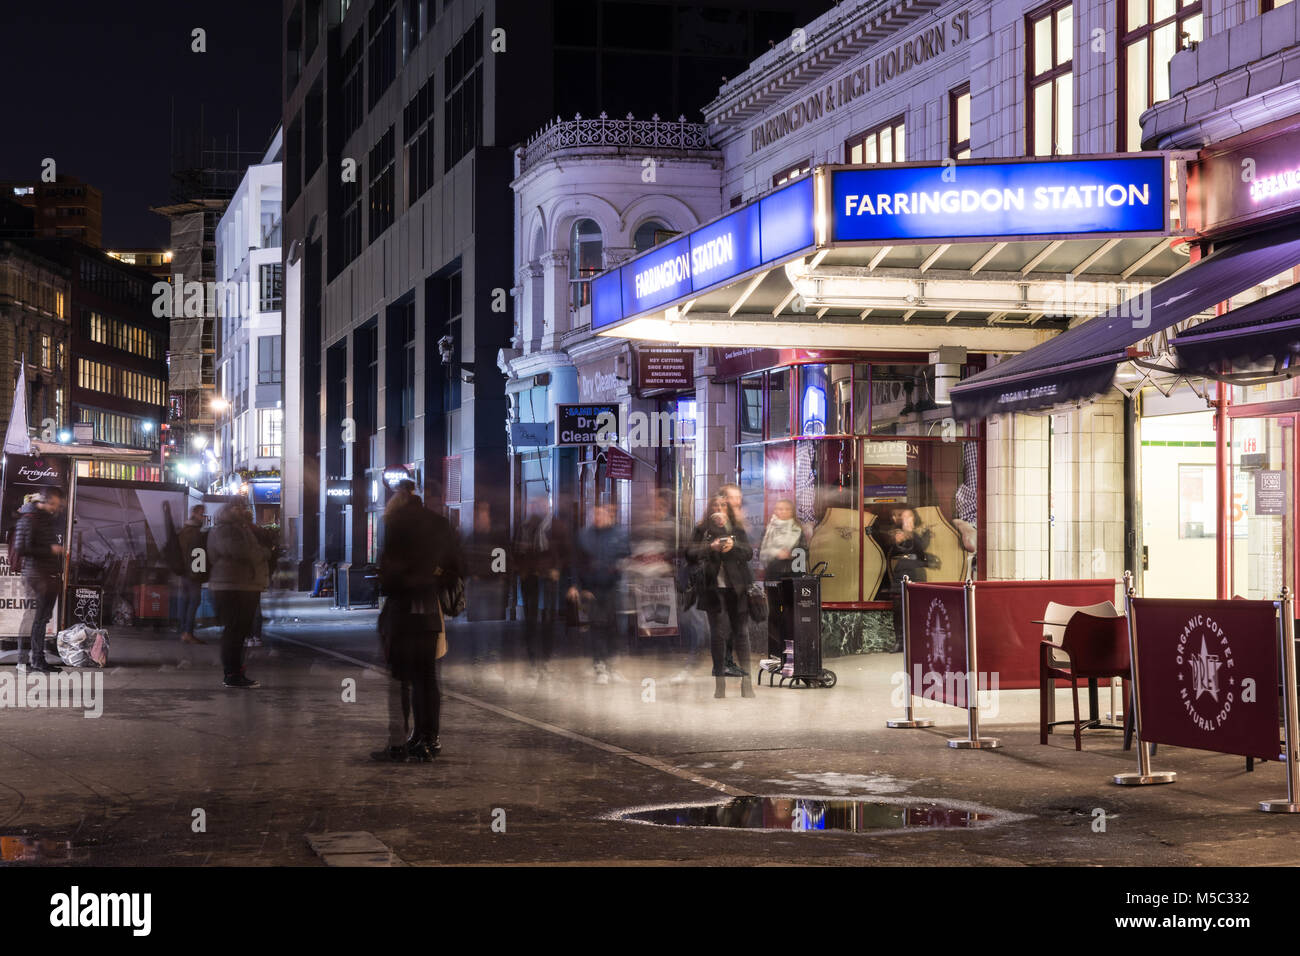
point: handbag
(757, 601)
(451, 595)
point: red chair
(1092, 647)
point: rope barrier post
(1290, 723)
(973, 739)
(910, 720)
(1144, 775)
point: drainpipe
(1223, 491)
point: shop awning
(1080, 362)
(1265, 330)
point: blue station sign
(775, 227)
(999, 200)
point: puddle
(820, 814)
(18, 849)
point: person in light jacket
(237, 575)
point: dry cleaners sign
(872, 75)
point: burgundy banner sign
(1208, 675)
(936, 639)
(618, 464)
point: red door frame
(1282, 409)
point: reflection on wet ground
(799, 814)
(24, 849)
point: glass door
(1263, 506)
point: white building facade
(250, 361)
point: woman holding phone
(719, 554)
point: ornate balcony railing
(629, 133)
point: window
(415, 17)
(794, 172)
(884, 144)
(351, 92)
(649, 234)
(349, 242)
(1267, 5)
(269, 352)
(463, 85)
(1152, 32)
(586, 254)
(45, 351)
(418, 134)
(736, 200)
(382, 52)
(1050, 72)
(271, 286)
(270, 432)
(381, 185)
(959, 122)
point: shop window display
(873, 508)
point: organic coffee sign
(1208, 674)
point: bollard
(910, 720)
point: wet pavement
(181, 770)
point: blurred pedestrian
(40, 560)
(487, 589)
(736, 509)
(532, 565)
(419, 561)
(237, 575)
(720, 552)
(192, 538)
(601, 555)
(782, 541)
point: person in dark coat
(192, 538)
(420, 556)
(237, 575)
(719, 554)
(40, 557)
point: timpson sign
(872, 75)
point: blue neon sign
(993, 200)
(775, 227)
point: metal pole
(1291, 724)
(910, 720)
(973, 740)
(67, 546)
(1144, 773)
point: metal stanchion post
(973, 739)
(910, 720)
(1290, 723)
(1144, 773)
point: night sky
(91, 84)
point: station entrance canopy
(996, 256)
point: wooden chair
(1092, 646)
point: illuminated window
(586, 254)
(1050, 69)
(1152, 32)
(794, 172)
(959, 122)
(883, 144)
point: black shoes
(40, 665)
(239, 680)
(393, 754)
(422, 749)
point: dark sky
(91, 84)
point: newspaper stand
(800, 605)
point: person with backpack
(191, 538)
(40, 560)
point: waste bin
(341, 582)
(362, 586)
